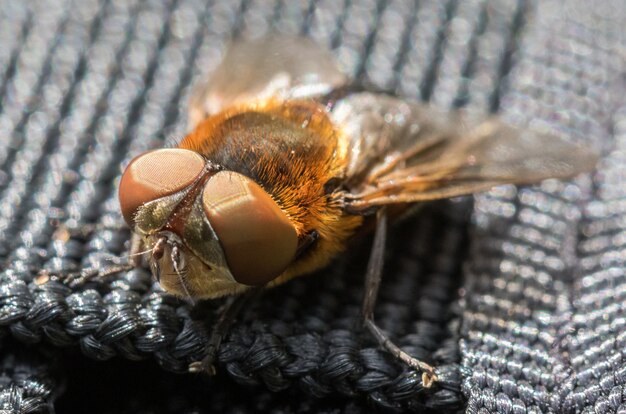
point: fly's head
(209, 232)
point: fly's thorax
(296, 154)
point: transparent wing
(276, 65)
(406, 152)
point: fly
(283, 165)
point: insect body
(284, 165)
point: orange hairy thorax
(291, 150)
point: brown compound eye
(156, 174)
(258, 239)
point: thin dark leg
(136, 247)
(77, 279)
(372, 283)
(227, 315)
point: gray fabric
(543, 319)
(519, 302)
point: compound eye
(258, 239)
(156, 174)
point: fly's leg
(77, 279)
(227, 316)
(372, 283)
(135, 253)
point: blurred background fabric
(517, 295)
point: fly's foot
(429, 376)
(206, 366)
(428, 379)
(226, 317)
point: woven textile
(518, 297)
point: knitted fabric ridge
(518, 297)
